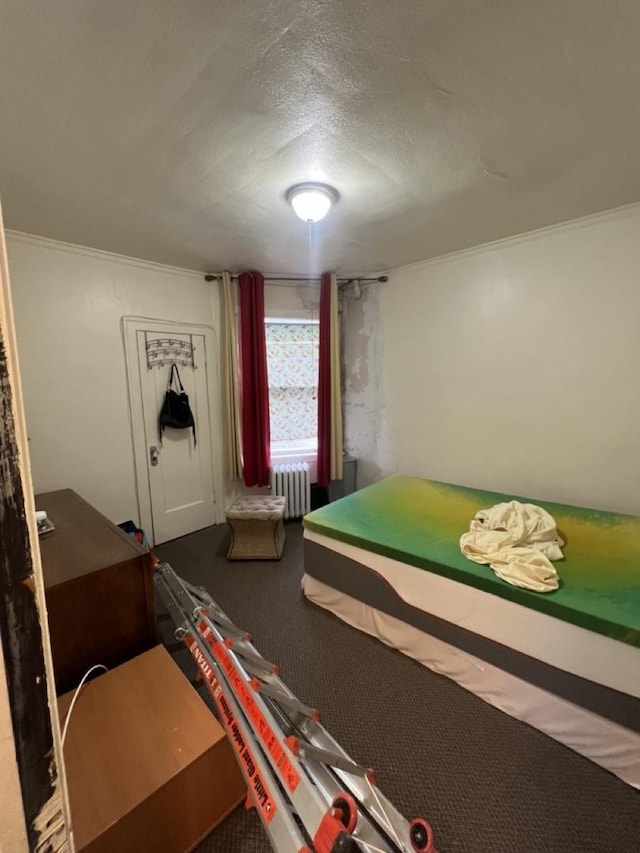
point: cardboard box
(148, 766)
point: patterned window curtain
(292, 356)
(256, 449)
(233, 445)
(329, 389)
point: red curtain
(324, 383)
(256, 451)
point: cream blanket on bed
(518, 541)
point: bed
(386, 560)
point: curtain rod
(302, 278)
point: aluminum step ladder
(309, 793)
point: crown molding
(100, 254)
(623, 212)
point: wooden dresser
(99, 589)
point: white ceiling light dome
(311, 201)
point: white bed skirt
(613, 747)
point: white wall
(68, 304)
(514, 366)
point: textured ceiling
(171, 130)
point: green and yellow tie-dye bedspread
(420, 522)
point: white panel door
(180, 470)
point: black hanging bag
(176, 411)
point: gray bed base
(362, 583)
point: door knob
(154, 455)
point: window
(292, 363)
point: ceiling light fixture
(310, 201)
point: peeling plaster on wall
(363, 401)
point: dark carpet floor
(486, 782)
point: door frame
(130, 328)
(32, 774)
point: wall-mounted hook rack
(162, 351)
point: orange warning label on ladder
(245, 695)
(257, 786)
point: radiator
(292, 482)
